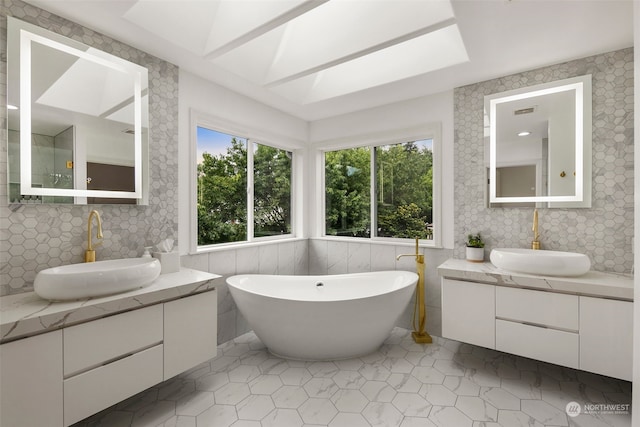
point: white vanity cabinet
(470, 312)
(538, 325)
(606, 337)
(31, 381)
(582, 332)
(110, 359)
(59, 378)
(188, 337)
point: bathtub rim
(319, 278)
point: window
(272, 191)
(347, 192)
(398, 176)
(231, 169)
(404, 190)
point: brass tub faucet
(419, 334)
(90, 253)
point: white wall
(381, 124)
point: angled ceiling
(319, 58)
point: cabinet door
(92, 391)
(190, 332)
(468, 312)
(534, 342)
(31, 381)
(606, 337)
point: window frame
(217, 124)
(430, 131)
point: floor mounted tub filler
(323, 317)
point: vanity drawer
(91, 344)
(548, 345)
(542, 308)
(92, 391)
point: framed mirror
(539, 146)
(77, 121)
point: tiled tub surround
(329, 256)
(76, 358)
(403, 384)
(277, 257)
(604, 231)
(315, 256)
(35, 236)
(580, 322)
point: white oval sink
(546, 263)
(94, 279)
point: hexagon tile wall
(34, 237)
(605, 231)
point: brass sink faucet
(535, 244)
(90, 253)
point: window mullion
(250, 193)
(373, 194)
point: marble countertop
(27, 314)
(594, 283)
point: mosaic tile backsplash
(34, 236)
(605, 231)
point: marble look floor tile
(416, 422)
(349, 400)
(544, 412)
(218, 415)
(320, 387)
(438, 395)
(461, 386)
(282, 417)
(317, 411)
(180, 421)
(477, 409)
(428, 374)
(212, 381)
(447, 416)
(500, 398)
(195, 403)
(349, 420)
(232, 393)
(411, 404)
(444, 384)
(381, 414)
(404, 383)
(517, 419)
(378, 391)
(254, 407)
(289, 397)
(265, 384)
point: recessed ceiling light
(524, 133)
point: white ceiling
(320, 58)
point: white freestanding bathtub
(323, 317)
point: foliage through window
(403, 183)
(225, 213)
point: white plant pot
(475, 254)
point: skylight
(312, 50)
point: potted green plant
(475, 248)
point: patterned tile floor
(404, 384)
